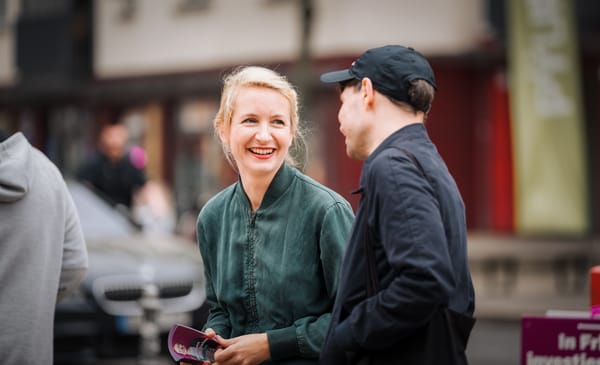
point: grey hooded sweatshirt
(42, 251)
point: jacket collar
(281, 182)
(406, 135)
(409, 133)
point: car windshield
(98, 219)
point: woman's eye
(279, 122)
(249, 120)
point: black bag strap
(372, 277)
(419, 166)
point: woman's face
(260, 133)
(180, 349)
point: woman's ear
(222, 136)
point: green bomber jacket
(275, 270)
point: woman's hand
(250, 349)
(210, 333)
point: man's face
(353, 124)
(113, 141)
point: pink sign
(560, 341)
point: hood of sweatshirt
(15, 168)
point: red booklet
(190, 345)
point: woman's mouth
(262, 151)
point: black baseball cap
(390, 68)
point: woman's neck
(256, 188)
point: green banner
(547, 126)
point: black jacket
(418, 232)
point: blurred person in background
(405, 293)
(153, 208)
(273, 241)
(113, 171)
(43, 256)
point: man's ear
(367, 91)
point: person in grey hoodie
(43, 255)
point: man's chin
(354, 154)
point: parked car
(135, 282)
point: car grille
(122, 295)
(135, 292)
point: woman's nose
(263, 132)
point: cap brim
(337, 76)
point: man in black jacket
(410, 223)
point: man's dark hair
(421, 95)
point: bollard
(149, 329)
(595, 291)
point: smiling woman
(273, 227)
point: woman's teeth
(262, 151)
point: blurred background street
(516, 117)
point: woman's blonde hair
(248, 76)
